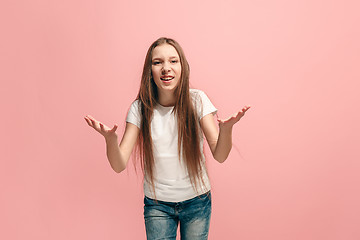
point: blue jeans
(162, 218)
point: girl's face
(166, 67)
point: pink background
(294, 170)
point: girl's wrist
(111, 139)
(225, 128)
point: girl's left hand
(228, 123)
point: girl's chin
(166, 89)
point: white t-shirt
(171, 179)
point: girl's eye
(174, 61)
(155, 63)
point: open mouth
(167, 78)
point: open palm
(100, 127)
(228, 123)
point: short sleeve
(133, 115)
(203, 104)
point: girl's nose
(165, 68)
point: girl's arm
(220, 141)
(118, 155)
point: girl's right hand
(101, 128)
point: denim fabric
(162, 218)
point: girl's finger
(114, 128)
(245, 109)
(101, 126)
(93, 120)
(87, 120)
(90, 122)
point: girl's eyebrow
(158, 58)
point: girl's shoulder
(202, 102)
(135, 104)
(196, 93)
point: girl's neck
(166, 99)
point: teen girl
(167, 122)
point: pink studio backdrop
(294, 170)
